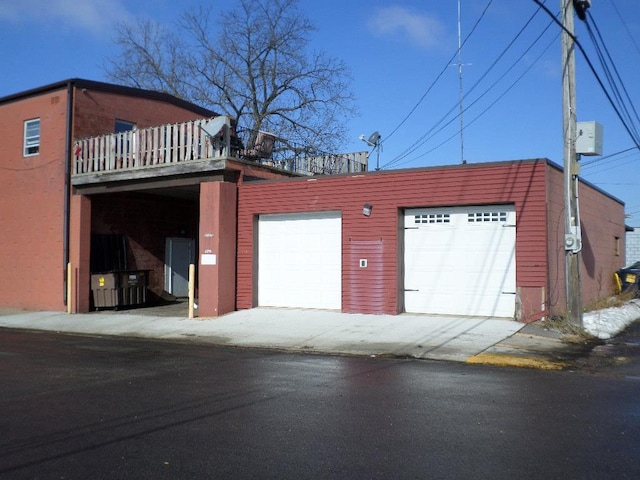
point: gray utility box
(589, 138)
(120, 288)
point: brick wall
(32, 193)
(31, 205)
(95, 112)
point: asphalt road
(78, 407)
(619, 356)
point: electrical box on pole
(589, 138)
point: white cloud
(91, 16)
(419, 29)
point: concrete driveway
(419, 336)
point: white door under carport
(300, 260)
(460, 260)
(179, 254)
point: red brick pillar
(217, 249)
(80, 252)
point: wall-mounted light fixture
(366, 209)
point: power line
(615, 7)
(601, 51)
(504, 92)
(633, 212)
(593, 70)
(440, 74)
(430, 133)
(587, 163)
(612, 163)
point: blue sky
(402, 56)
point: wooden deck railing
(332, 164)
(147, 147)
(178, 143)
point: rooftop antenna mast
(460, 95)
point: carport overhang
(213, 186)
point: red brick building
(108, 178)
(66, 201)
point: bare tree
(252, 63)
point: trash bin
(628, 278)
(133, 288)
(120, 288)
(104, 287)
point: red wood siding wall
(556, 297)
(377, 290)
(602, 220)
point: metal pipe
(67, 189)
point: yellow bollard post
(192, 288)
(69, 287)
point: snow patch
(608, 322)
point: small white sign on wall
(208, 259)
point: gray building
(633, 246)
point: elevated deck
(188, 148)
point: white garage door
(300, 260)
(460, 260)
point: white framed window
(31, 137)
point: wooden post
(572, 222)
(192, 289)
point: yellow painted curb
(515, 361)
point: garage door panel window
(479, 217)
(432, 218)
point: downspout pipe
(67, 189)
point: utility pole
(573, 237)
